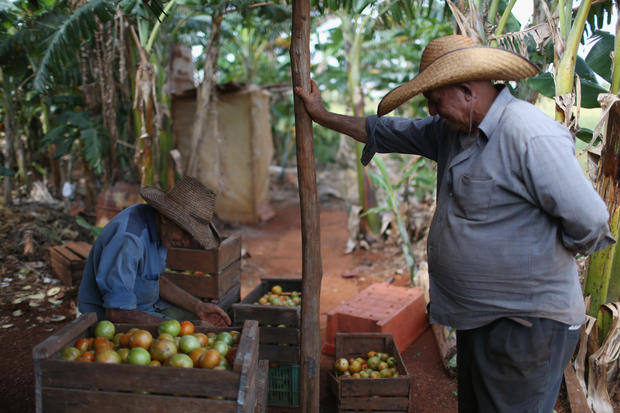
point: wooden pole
(312, 271)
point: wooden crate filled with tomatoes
(92, 365)
(369, 374)
(213, 275)
(276, 304)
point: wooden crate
(220, 268)
(70, 386)
(277, 344)
(68, 261)
(374, 395)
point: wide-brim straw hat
(454, 59)
(190, 205)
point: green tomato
(172, 327)
(139, 356)
(105, 329)
(188, 343)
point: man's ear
(468, 91)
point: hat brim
(461, 65)
(158, 199)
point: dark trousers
(509, 366)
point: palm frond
(517, 41)
(65, 42)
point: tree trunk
(9, 122)
(310, 225)
(206, 93)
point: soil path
(274, 250)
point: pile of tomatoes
(176, 345)
(277, 297)
(375, 366)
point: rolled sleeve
(562, 190)
(371, 146)
(401, 135)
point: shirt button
(451, 194)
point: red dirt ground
(272, 249)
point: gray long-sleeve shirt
(511, 210)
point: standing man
(121, 280)
(513, 208)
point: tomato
(202, 339)
(86, 356)
(105, 329)
(195, 355)
(188, 343)
(70, 353)
(180, 360)
(172, 327)
(209, 359)
(139, 355)
(84, 344)
(108, 356)
(187, 327)
(141, 338)
(342, 365)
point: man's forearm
(116, 315)
(353, 126)
(177, 296)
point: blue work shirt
(512, 209)
(124, 265)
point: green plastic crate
(284, 386)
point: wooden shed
(234, 157)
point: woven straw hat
(190, 205)
(454, 59)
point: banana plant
(392, 204)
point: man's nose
(431, 109)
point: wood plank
(127, 377)
(248, 344)
(79, 248)
(351, 344)
(262, 386)
(393, 386)
(63, 337)
(279, 354)
(79, 401)
(226, 302)
(208, 286)
(576, 397)
(279, 335)
(265, 314)
(210, 261)
(287, 284)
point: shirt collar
(152, 228)
(491, 119)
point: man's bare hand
(213, 315)
(312, 100)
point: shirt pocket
(473, 197)
(146, 291)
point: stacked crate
(72, 386)
(213, 275)
(279, 338)
(370, 394)
(68, 261)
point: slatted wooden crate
(212, 274)
(277, 344)
(71, 386)
(371, 395)
(68, 261)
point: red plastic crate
(380, 308)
